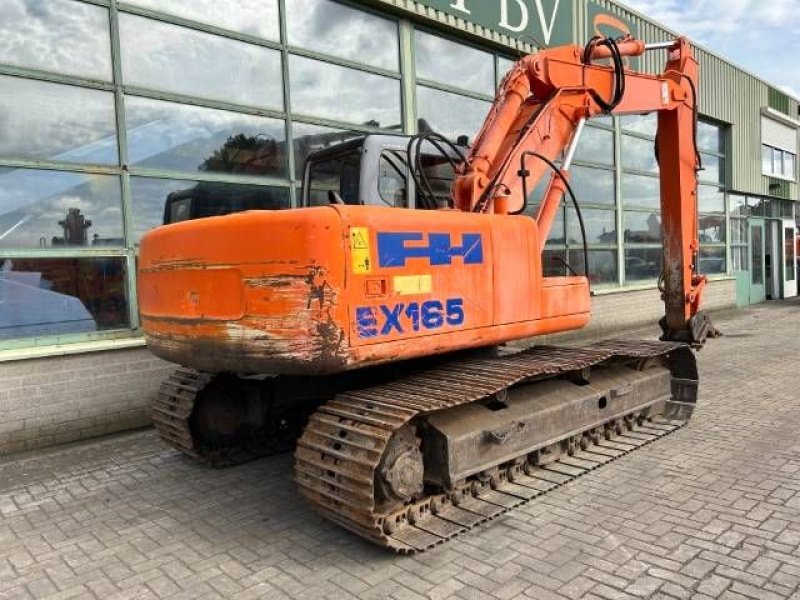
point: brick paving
(712, 511)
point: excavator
(367, 328)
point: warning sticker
(359, 250)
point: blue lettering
(393, 251)
(392, 319)
(366, 321)
(383, 320)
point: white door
(789, 239)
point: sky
(763, 36)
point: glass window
(439, 59)
(44, 209)
(310, 138)
(643, 124)
(757, 207)
(788, 253)
(56, 35)
(557, 235)
(640, 191)
(392, 179)
(711, 199)
(757, 255)
(789, 161)
(710, 138)
(738, 205)
(601, 226)
(638, 154)
(180, 137)
(254, 17)
(50, 121)
(338, 175)
(554, 263)
(334, 92)
(592, 186)
(711, 229)
(503, 67)
(596, 146)
(738, 231)
(766, 159)
(642, 264)
(338, 30)
(739, 258)
(602, 265)
(195, 199)
(712, 169)
(787, 209)
(642, 227)
(712, 260)
(450, 114)
(777, 162)
(166, 57)
(57, 296)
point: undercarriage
(410, 461)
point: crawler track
(340, 451)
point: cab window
(339, 174)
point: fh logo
(393, 250)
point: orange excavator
(366, 328)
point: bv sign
(537, 22)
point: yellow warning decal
(408, 285)
(359, 250)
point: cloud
(762, 37)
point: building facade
(108, 106)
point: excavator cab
(373, 171)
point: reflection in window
(596, 145)
(601, 226)
(50, 121)
(640, 191)
(554, 263)
(503, 67)
(450, 114)
(592, 186)
(393, 179)
(711, 229)
(64, 36)
(331, 28)
(738, 231)
(180, 137)
(711, 261)
(43, 209)
(333, 92)
(436, 177)
(739, 258)
(337, 176)
(642, 227)
(557, 234)
(709, 137)
(638, 154)
(156, 200)
(602, 265)
(711, 199)
(642, 124)
(167, 57)
(439, 59)
(310, 138)
(642, 264)
(712, 169)
(254, 17)
(57, 296)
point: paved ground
(712, 511)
